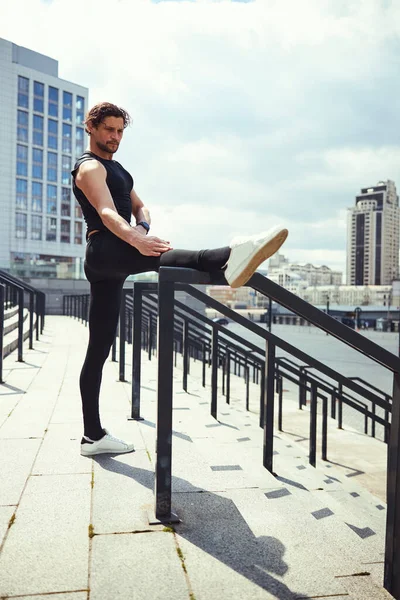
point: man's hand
(149, 245)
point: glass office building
(42, 131)
(373, 229)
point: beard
(106, 148)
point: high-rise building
(373, 236)
(42, 133)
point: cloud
(245, 113)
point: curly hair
(99, 112)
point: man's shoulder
(88, 165)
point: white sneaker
(248, 253)
(107, 444)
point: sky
(245, 113)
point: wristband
(145, 226)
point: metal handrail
(172, 279)
(167, 283)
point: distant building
(41, 122)
(361, 295)
(243, 296)
(297, 277)
(373, 236)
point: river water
(331, 351)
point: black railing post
(269, 399)
(214, 371)
(228, 376)
(37, 310)
(164, 401)
(185, 352)
(387, 426)
(302, 389)
(20, 324)
(333, 405)
(263, 376)
(31, 311)
(269, 314)
(150, 337)
(392, 550)
(136, 350)
(313, 424)
(114, 349)
(2, 297)
(122, 331)
(247, 378)
(373, 420)
(203, 371)
(280, 402)
(87, 308)
(43, 311)
(340, 406)
(324, 428)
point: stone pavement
(76, 528)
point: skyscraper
(42, 132)
(373, 236)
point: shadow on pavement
(214, 524)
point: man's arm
(139, 210)
(91, 179)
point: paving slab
(139, 566)
(56, 596)
(122, 492)
(6, 512)
(361, 588)
(60, 452)
(46, 549)
(258, 541)
(214, 579)
(16, 460)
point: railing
(273, 369)
(16, 293)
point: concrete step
(10, 339)
(350, 518)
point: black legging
(109, 261)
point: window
(53, 102)
(23, 92)
(37, 163)
(52, 166)
(22, 126)
(78, 232)
(20, 225)
(51, 229)
(38, 97)
(79, 141)
(52, 134)
(66, 170)
(36, 227)
(66, 140)
(66, 202)
(22, 194)
(37, 195)
(65, 231)
(37, 130)
(51, 199)
(78, 211)
(80, 110)
(67, 106)
(22, 160)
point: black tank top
(120, 184)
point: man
(116, 249)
